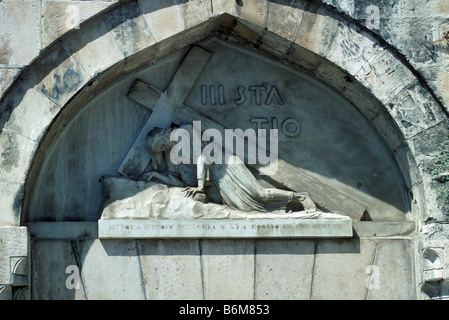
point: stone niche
(325, 146)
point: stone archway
(383, 87)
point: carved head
(158, 141)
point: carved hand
(192, 191)
(195, 193)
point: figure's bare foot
(306, 202)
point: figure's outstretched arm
(201, 173)
(167, 178)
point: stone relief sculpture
(237, 186)
(155, 196)
(193, 191)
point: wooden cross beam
(161, 104)
(287, 175)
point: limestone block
(14, 246)
(415, 110)
(19, 32)
(228, 269)
(432, 39)
(171, 269)
(378, 269)
(441, 85)
(196, 11)
(394, 139)
(407, 165)
(283, 269)
(122, 281)
(273, 44)
(281, 30)
(247, 31)
(421, 39)
(224, 6)
(424, 146)
(7, 76)
(58, 17)
(28, 111)
(342, 264)
(434, 234)
(129, 28)
(386, 76)
(164, 17)
(434, 203)
(284, 19)
(179, 42)
(417, 202)
(304, 58)
(425, 43)
(164, 73)
(15, 157)
(394, 272)
(253, 11)
(94, 47)
(51, 276)
(438, 7)
(352, 48)
(387, 128)
(445, 260)
(57, 74)
(346, 85)
(397, 9)
(10, 202)
(194, 34)
(317, 30)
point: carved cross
(162, 105)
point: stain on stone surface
(5, 113)
(68, 83)
(18, 199)
(128, 29)
(9, 155)
(406, 124)
(349, 47)
(5, 51)
(72, 79)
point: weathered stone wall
(27, 27)
(419, 31)
(398, 50)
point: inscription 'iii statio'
(259, 95)
(252, 95)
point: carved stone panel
(313, 155)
